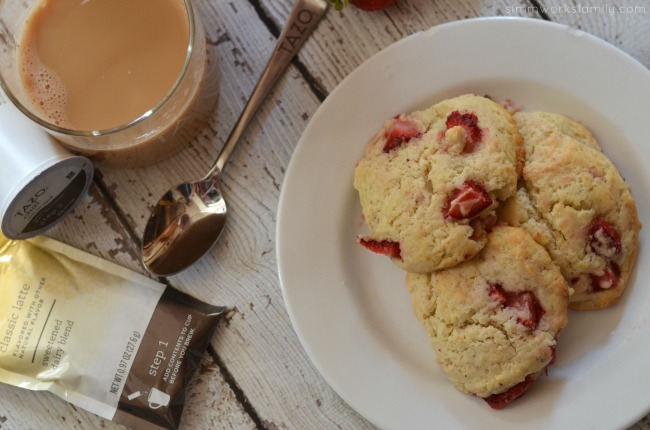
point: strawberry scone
(430, 181)
(539, 124)
(494, 320)
(575, 203)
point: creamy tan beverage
(99, 64)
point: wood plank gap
(266, 19)
(121, 216)
(239, 394)
(275, 30)
(312, 82)
(540, 10)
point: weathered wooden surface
(256, 374)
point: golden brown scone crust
(482, 345)
(404, 191)
(570, 187)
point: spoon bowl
(189, 218)
(187, 221)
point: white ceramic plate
(350, 307)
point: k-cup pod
(40, 181)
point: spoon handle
(303, 19)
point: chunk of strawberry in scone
(606, 279)
(524, 302)
(604, 240)
(469, 122)
(399, 133)
(467, 201)
(496, 293)
(383, 247)
(501, 400)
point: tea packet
(102, 337)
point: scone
(575, 203)
(494, 320)
(430, 181)
(539, 124)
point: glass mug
(161, 129)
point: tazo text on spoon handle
(303, 20)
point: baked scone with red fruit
(430, 181)
(539, 124)
(494, 320)
(575, 203)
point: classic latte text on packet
(100, 336)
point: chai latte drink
(126, 81)
(98, 64)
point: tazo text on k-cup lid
(40, 181)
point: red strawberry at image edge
(372, 5)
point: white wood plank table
(256, 375)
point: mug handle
(155, 405)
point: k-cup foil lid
(40, 181)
